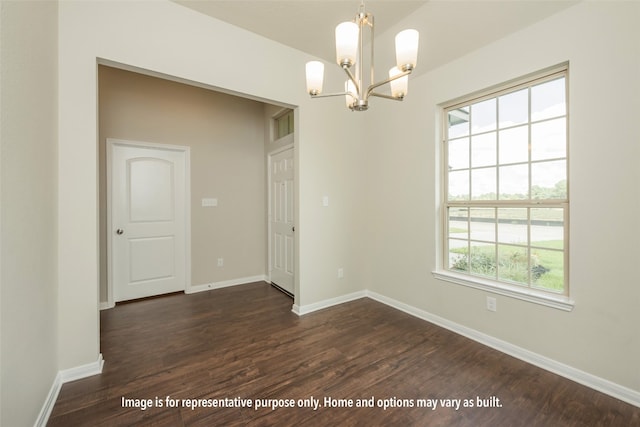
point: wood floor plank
(245, 342)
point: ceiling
(448, 28)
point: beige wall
(28, 208)
(226, 137)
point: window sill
(559, 302)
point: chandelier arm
(359, 64)
(384, 82)
(372, 33)
(353, 79)
(382, 95)
(327, 95)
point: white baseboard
(106, 305)
(84, 371)
(62, 377)
(224, 284)
(49, 403)
(301, 310)
(600, 384)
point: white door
(281, 220)
(148, 220)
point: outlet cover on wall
(209, 202)
(340, 273)
(492, 304)
(220, 262)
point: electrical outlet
(220, 262)
(340, 273)
(492, 304)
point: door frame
(111, 143)
(270, 155)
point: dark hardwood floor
(244, 342)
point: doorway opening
(230, 139)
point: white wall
(28, 176)
(169, 39)
(601, 41)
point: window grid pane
(506, 186)
(284, 125)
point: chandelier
(349, 56)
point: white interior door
(281, 211)
(148, 220)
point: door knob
(119, 231)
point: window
(505, 192)
(283, 125)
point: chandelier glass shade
(349, 56)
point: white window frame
(287, 113)
(560, 301)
